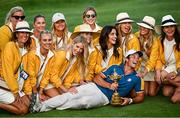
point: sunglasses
(90, 15)
(19, 17)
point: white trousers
(88, 96)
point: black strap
(169, 20)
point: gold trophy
(116, 99)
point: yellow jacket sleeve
(133, 43)
(91, 65)
(10, 62)
(151, 63)
(177, 57)
(5, 37)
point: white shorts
(6, 97)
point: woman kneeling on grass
(40, 63)
(168, 64)
(14, 63)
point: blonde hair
(146, 46)
(64, 35)
(12, 11)
(119, 37)
(82, 58)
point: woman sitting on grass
(14, 63)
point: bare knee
(174, 100)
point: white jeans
(88, 96)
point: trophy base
(116, 100)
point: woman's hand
(158, 77)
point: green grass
(107, 11)
(158, 106)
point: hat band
(123, 19)
(23, 28)
(148, 24)
(169, 20)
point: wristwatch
(130, 100)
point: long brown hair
(176, 37)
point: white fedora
(23, 26)
(147, 22)
(81, 29)
(58, 16)
(168, 20)
(122, 18)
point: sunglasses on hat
(19, 17)
(90, 15)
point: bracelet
(130, 100)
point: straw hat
(83, 29)
(147, 22)
(122, 18)
(58, 16)
(23, 26)
(167, 20)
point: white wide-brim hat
(123, 18)
(131, 52)
(167, 20)
(23, 26)
(83, 29)
(58, 16)
(147, 22)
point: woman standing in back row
(89, 17)
(15, 15)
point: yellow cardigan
(5, 37)
(11, 60)
(48, 75)
(161, 60)
(113, 60)
(151, 63)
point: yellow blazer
(5, 37)
(48, 75)
(161, 60)
(11, 60)
(154, 53)
(113, 60)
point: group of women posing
(52, 63)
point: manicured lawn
(158, 106)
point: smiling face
(169, 30)
(126, 28)
(112, 37)
(77, 48)
(46, 41)
(132, 61)
(90, 17)
(60, 25)
(144, 31)
(16, 17)
(22, 37)
(39, 24)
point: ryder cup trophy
(116, 99)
